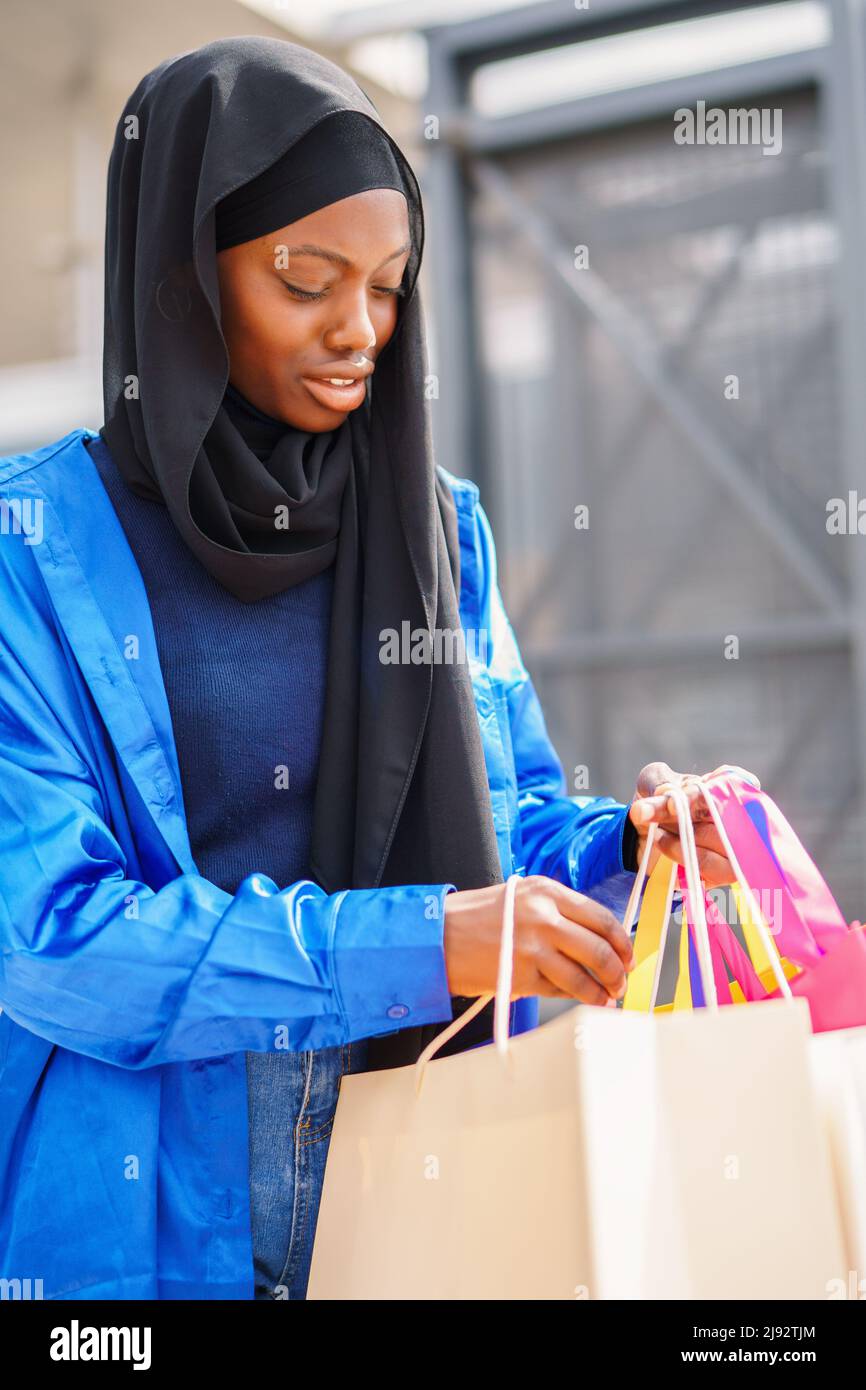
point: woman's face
(298, 304)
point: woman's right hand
(566, 945)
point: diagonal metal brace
(639, 347)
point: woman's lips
(336, 397)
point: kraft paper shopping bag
(839, 1070)
(708, 1169)
(605, 1154)
(460, 1178)
(728, 1114)
(473, 1190)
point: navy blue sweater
(245, 684)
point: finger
(662, 808)
(593, 953)
(647, 809)
(708, 837)
(652, 776)
(571, 978)
(551, 992)
(698, 808)
(586, 912)
(715, 869)
(670, 846)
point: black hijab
(402, 795)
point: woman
(245, 850)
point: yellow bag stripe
(650, 926)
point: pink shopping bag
(777, 869)
(835, 988)
(809, 927)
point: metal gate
(651, 357)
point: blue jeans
(292, 1097)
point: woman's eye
(320, 294)
(304, 294)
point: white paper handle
(639, 880)
(696, 889)
(696, 892)
(691, 860)
(502, 997)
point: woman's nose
(353, 335)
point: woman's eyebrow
(335, 257)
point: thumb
(654, 775)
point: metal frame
(456, 52)
(462, 157)
(845, 113)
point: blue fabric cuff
(597, 847)
(388, 958)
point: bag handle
(696, 892)
(810, 922)
(732, 954)
(502, 997)
(639, 880)
(757, 923)
(723, 988)
(755, 913)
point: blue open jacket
(130, 985)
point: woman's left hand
(650, 806)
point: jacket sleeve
(577, 840)
(99, 963)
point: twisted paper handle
(502, 997)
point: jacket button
(397, 1011)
